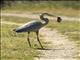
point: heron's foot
(42, 48)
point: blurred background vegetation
(32, 3)
(69, 8)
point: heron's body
(34, 26)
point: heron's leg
(37, 33)
(29, 39)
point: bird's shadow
(42, 48)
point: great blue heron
(34, 26)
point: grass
(65, 26)
(45, 4)
(15, 46)
(15, 19)
(72, 8)
(69, 28)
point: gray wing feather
(30, 26)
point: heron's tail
(14, 29)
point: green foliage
(44, 4)
(68, 8)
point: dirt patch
(61, 47)
(36, 16)
(10, 23)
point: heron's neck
(44, 19)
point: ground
(59, 46)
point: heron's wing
(30, 26)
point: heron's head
(59, 19)
(43, 15)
